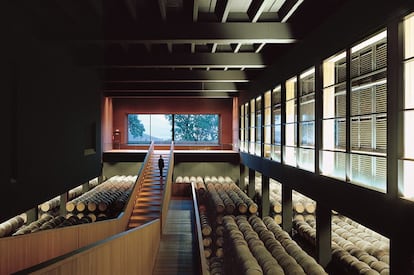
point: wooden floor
(177, 250)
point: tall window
(277, 124)
(246, 127)
(252, 139)
(407, 188)
(267, 124)
(258, 128)
(289, 155)
(333, 157)
(241, 132)
(369, 112)
(307, 120)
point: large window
(333, 155)
(368, 115)
(258, 128)
(407, 188)
(252, 144)
(196, 129)
(289, 154)
(143, 128)
(307, 120)
(241, 133)
(267, 124)
(188, 128)
(277, 124)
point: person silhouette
(161, 165)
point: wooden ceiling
(187, 48)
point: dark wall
(50, 114)
(223, 107)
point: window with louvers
(241, 131)
(307, 120)
(369, 112)
(407, 161)
(258, 128)
(333, 156)
(267, 124)
(289, 152)
(252, 139)
(277, 124)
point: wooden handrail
(203, 262)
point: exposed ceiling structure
(208, 48)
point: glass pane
(277, 134)
(409, 37)
(290, 111)
(307, 108)
(333, 164)
(369, 171)
(334, 134)
(267, 133)
(289, 155)
(276, 153)
(139, 129)
(268, 116)
(190, 128)
(334, 69)
(258, 150)
(408, 134)
(307, 159)
(267, 151)
(277, 114)
(276, 95)
(307, 134)
(290, 134)
(291, 88)
(329, 102)
(267, 99)
(409, 84)
(407, 189)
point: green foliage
(135, 126)
(190, 127)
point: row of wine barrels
(353, 257)
(238, 250)
(206, 229)
(217, 179)
(103, 196)
(34, 226)
(215, 265)
(215, 198)
(308, 263)
(251, 205)
(72, 193)
(11, 225)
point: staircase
(148, 204)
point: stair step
(146, 210)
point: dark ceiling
(208, 48)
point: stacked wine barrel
(48, 221)
(8, 227)
(50, 205)
(257, 246)
(357, 249)
(107, 199)
(302, 205)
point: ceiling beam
(163, 9)
(145, 76)
(168, 94)
(288, 8)
(199, 33)
(195, 10)
(132, 8)
(255, 10)
(171, 86)
(222, 10)
(195, 60)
